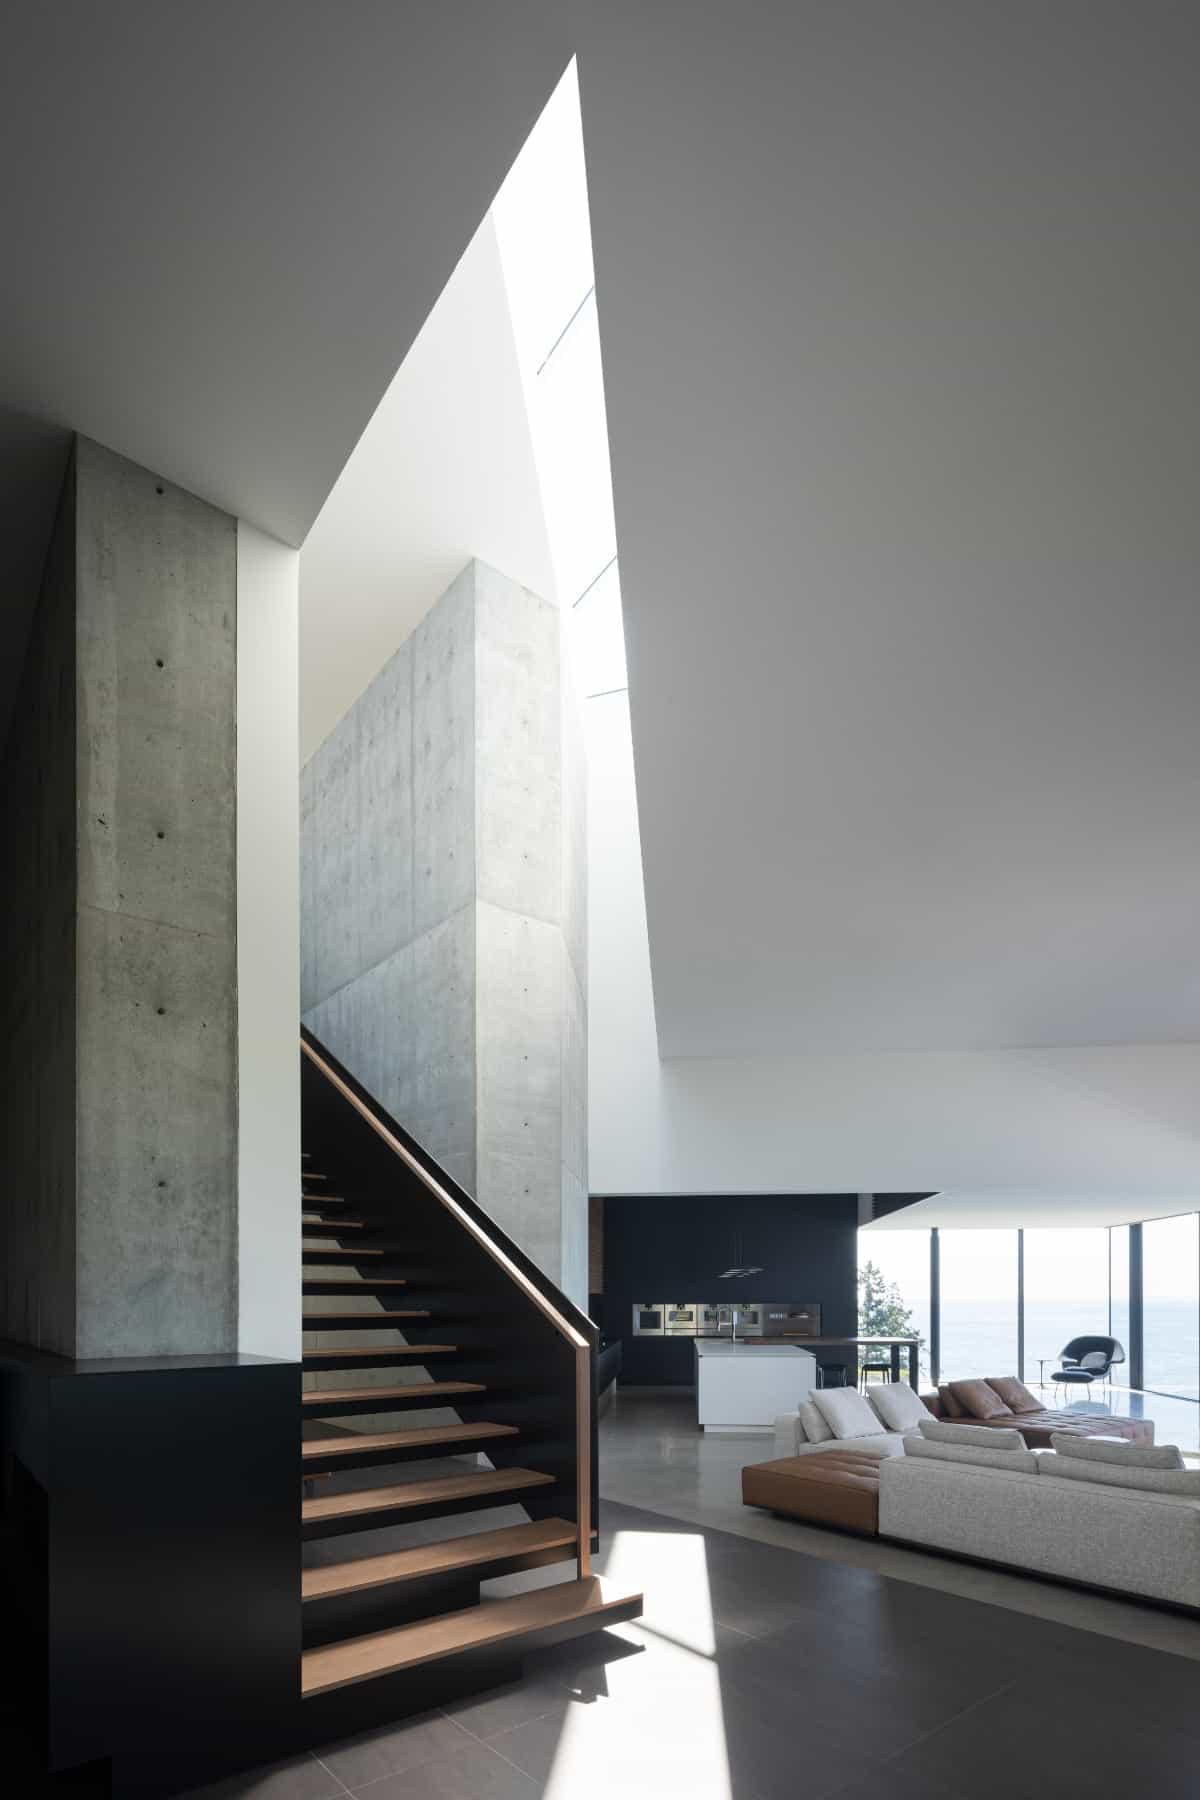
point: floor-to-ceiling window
(1118, 1299)
(1171, 1305)
(1066, 1292)
(893, 1287)
(978, 1303)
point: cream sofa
(1118, 1516)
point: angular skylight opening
(544, 232)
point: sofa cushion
(978, 1400)
(1124, 1455)
(898, 1406)
(983, 1437)
(846, 1413)
(1015, 1395)
(1185, 1484)
(950, 1406)
(1022, 1461)
(812, 1423)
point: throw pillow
(812, 1424)
(1021, 1462)
(898, 1406)
(984, 1437)
(1124, 1455)
(1015, 1395)
(1102, 1474)
(978, 1400)
(846, 1413)
(950, 1406)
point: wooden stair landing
(545, 1616)
(540, 1538)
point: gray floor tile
(356, 1760)
(475, 1773)
(1044, 1750)
(503, 1708)
(299, 1778)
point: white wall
(268, 916)
(1030, 1135)
(443, 473)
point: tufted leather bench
(838, 1487)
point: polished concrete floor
(774, 1661)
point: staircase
(448, 1430)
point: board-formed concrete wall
(156, 612)
(125, 750)
(443, 911)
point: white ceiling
(898, 315)
(224, 225)
(443, 472)
(1002, 1209)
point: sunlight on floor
(672, 1735)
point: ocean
(980, 1338)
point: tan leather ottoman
(834, 1487)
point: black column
(1020, 1305)
(935, 1307)
(1136, 1315)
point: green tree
(881, 1308)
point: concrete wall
(443, 953)
(37, 943)
(121, 1030)
(268, 945)
(156, 614)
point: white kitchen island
(747, 1386)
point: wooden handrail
(574, 1338)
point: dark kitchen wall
(673, 1247)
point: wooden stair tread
(478, 1548)
(317, 1251)
(412, 1494)
(341, 1225)
(344, 1284)
(320, 1321)
(322, 1449)
(413, 1390)
(385, 1354)
(324, 1199)
(311, 1175)
(493, 1622)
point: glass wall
(978, 1303)
(1064, 1283)
(1066, 1292)
(1171, 1304)
(893, 1288)
(1118, 1298)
